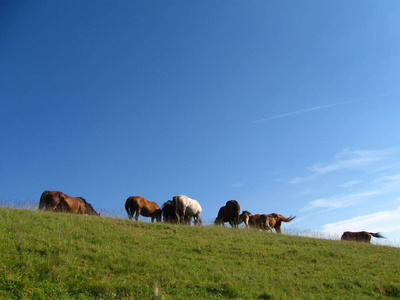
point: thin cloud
(238, 185)
(345, 160)
(297, 112)
(383, 221)
(348, 159)
(350, 183)
(339, 202)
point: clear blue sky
(286, 106)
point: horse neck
(89, 209)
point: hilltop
(47, 255)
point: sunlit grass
(46, 255)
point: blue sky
(286, 106)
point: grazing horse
(361, 236)
(57, 201)
(76, 205)
(245, 217)
(169, 213)
(260, 221)
(229, 213)
(49, 200)
(275, 221)
(141, 206)
(186, 207)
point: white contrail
(300, 112)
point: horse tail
(128, 207)
(288, 219)
(42, 202)
(377, 235)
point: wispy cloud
(238, 185)
(383, 221)
(349, 159)
(345, 160)
(350, 183)
(301, 111)
(337, 202)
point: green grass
(62, 256)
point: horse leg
(130, 213)
(183, 221)
(137, 214)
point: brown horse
(76, 205)
(229, 213)
(275, 221)
(141, 206)
(361, 236)
(57, 201)
(245, 217)
(49, 200)
(260, 222)
(169, 214)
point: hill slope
(46, 255)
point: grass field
(62, 256)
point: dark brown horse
(275, 221)
(141, 206)
(362, 236)
(245, 217)
(229, 213)
(169, 213)
(59, 202)
(260, 222)
(49, 200)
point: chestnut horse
(57, 201)
(76, 205)
(187, 207)
(229, 213)
(361, 236)
(49, 200)
(275, 221)
(141, 206)
(260, 221)
(245, 217)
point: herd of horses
(182, 210)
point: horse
(76, 205)
(141, 206)
(49, 200)
(362, 236)
(185, 206)
(275, 221)
(244, 217)
(169, 213)
(229, 213)
(57, 201)
(260, 221)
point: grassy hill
(63, 256)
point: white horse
(185, 206)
